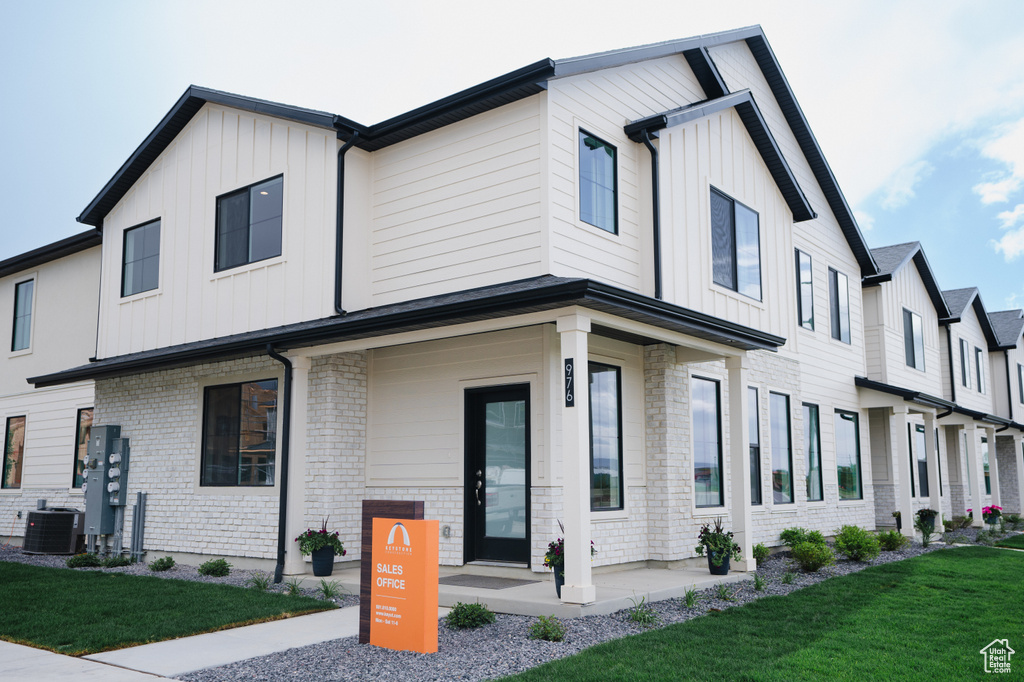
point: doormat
(485, 582)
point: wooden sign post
(392, 509)
(403, 594)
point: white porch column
(579, 588)
(932, 456)
(904, 499)
(296, 521)
(976, 475)
(1018, 463)
(993, 466)
(739, 455)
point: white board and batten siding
(219, 151)
(969, 328)
(602, 103)
(459, 207)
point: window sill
(250, 267)
(709, 512)
(19, 353)
(237, 491)
(788, 510)
(852, 503)
(608, 515)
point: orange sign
(403, 594)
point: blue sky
(919, 106)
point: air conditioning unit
(54, 531)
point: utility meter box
(117, 472)
(99, 515)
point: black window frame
(836, 311)
(1020, 382)
(21, 456)
(591, 365)
(965, 363)
(986, 466)
(124, 257)
(734, 284)
(804, 320)
(721, 464)
(789, 446)
(205, 435)
(808, 408)
(23, 318)
(923, 482)
(217, 224)
(78, 474)
(754, 427)
(583, 133)
(979, 365)
(849, 415)
(913, 339)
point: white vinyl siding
(972, 339)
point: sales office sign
(403, 596)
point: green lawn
(924, 618)
(83, 612)
(1014, 541)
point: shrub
(961, 522)
(947, 524)
(218, 568)
(856, 543)
(761, 553)
(84, 561)
(892, 540)
(759, 582)
(985, 538)
(691, 597)
(811, 556)
(329, 589)
(643, 613)
(293, 587)
(1013, 521)
(259, 581)
(723, 593)
(795, 536)
(162, 564)
(117, 561)
(787, 577)
(548, 628)
(465, 616)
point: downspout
(952, 378)
(340, 223)
(1009, 384)
(286, 427)
(656, 211)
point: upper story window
(735, 246)
(83, 429)
(979, 366)
(140, 270)
(755, 447)
(782, 450)
(249, 224)
(848, 456)
(22, 333)
(240, 434)
(605, 438)
(839, 305)
(804, 290)
(598, 183)
(965, 363)
(14, 451)
(707, 443)
(913, 340)
(1020, 382)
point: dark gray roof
(753, 121)
(958, 300)
(891, 259)
(514, 298)
(50, 252)
(1008, 326)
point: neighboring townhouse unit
(49, 305)
(1007, 363)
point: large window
(965, 363)
(22, 334)
(804, 290)
(910, 455)
(913, 340)
(839, 305)
(83, 429)
(1020, 382)
(707, 443)
(755, 447)
(140, 270)
(14, 451)
(735, 246)
(598, 200)
(240, 434)
(782, 451)
(985, 464)
(249, 224)
(812, 450)
(848, 456)
(605, 437)
(922, 460)
(979, 366)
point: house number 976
(570, 384)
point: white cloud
(998, 191)
(1011, 218)
(900, 186)
(1011, 244)
(865, 220)
(1006, 146)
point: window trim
(223, 382)
(735, 285)
(21, 458)
(807, 323)
(817, 435)
(754, 438)
(216, 224)
(590, 406)
(913, 340)
(1020, 382)
(986, 472)
(789, 442)
(923, 483)
(75, 484)
(965, 363)
(721, 463)
(124, 252)
(979, 365)
(836, 309)
(581, 133)
(850, 415)
(27, 348)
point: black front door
(498, 474)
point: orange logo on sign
(404, 590)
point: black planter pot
(723, 569)
(559, 581)
(323, 561)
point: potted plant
(719, 546)
(554, 559)
(925, 520)
(323, 546)
(991, 514)
(899, 520)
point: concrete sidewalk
(19, 662)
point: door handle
(479, 484)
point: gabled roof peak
(892, 259)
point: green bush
(117, 561)
(548, 628)
(218, 568)
(892, 540)
(795, 536)
(856, 543)
(84, 561)
(961, 522)
(162, 564)
(259, 581)
(787, 577)
(759, 582)
(761, 552)
(1013, 521)
(642, 613)
(465, 616)
(811, 556)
